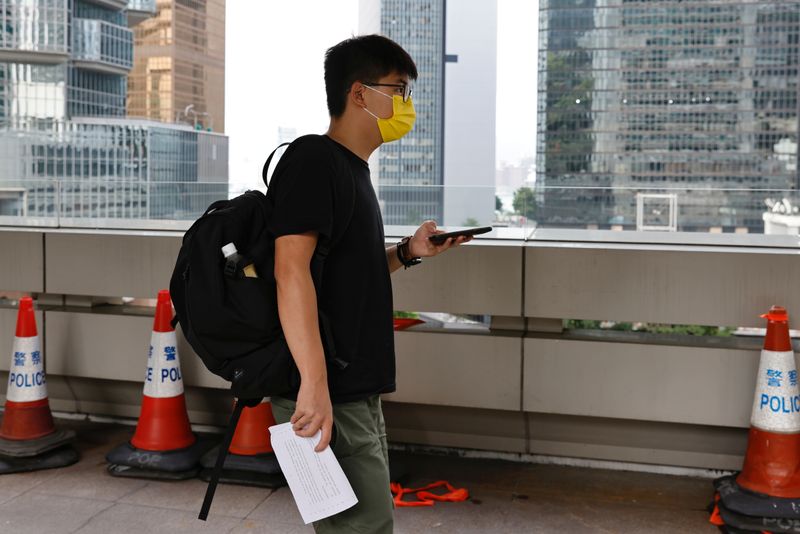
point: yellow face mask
(401, 121)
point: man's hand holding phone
(421, 246)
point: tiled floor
(506, 497)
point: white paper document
(318, 484)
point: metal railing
(97, 199)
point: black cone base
(61, 457)
(261, 470)
(34, 447)
(749, 523)
(125, 471)
(128, 461)
(742, 501)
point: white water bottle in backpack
(232, 256)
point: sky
(274, 76)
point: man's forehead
(395, 77)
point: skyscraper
(692, 99)
(66, 149)
(179, 64)
(432, 173)
(411, 173)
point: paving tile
(230, 500)
(505, 497)
(253, 526)
(607, 517)
(89, 482)
(487, 511)
(7, 495)
(18, 483)
(280, 507)
(592, 484)
(45, 514)
(131, 519)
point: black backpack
(230, 320)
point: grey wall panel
(637, 441)
(444, 426)
(645, 382)
(8, 328)
(117, 398)
(485, 279)
(458, 370)
(112, 347)
(22, 262)
(110, 264)
(62, 394)
(678, 285)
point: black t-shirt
(312, 190)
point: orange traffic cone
(772, 464)
(252, 434)
(163, 445)
(769, 485)
(250, 460)
(28, 430)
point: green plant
(524, 202)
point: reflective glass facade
(148, 6)
(102, 42)
(416, 159)
(34, 26)
(65, 149)
(180, 61)
(695, 96)
(32, 96)
(37, 91)
(114, 169)
(96, 94)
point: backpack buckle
(231, 268)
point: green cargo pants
(359, 443)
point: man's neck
(349, 136)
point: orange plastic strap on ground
(715, 518)
(425, 497)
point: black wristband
(404, 254)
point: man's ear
(357, 94)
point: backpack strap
(223, 452)
(265, 170)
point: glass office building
(696, 99)
(113, 169)
(66, 148)
(179, 61)
(416, 159)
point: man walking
(322, 195)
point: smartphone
(439, 239)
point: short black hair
(366, 58)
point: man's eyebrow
(401, 81)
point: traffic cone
(252, 433)
(250, 460)
(29, 439)
(769, 484)
(163, 445)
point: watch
(404, 253)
